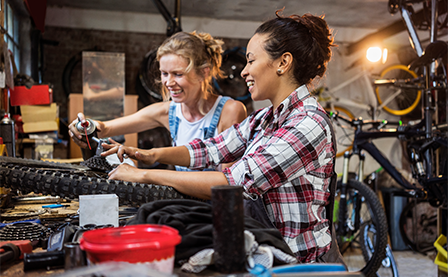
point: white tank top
(188, 131)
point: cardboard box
(40, 118)
(36, 95)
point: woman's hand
(126, 172)
(75, 134)
(127, 151)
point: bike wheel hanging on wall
(398, 101)
(233, 85)
(147, 83)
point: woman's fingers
(122, 151)
(77, 140)
(75, 135)
(109, 149)
(81, 117)
(124, 172)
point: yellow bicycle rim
(414, 104)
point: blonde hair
(201, 51)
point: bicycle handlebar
(402, 131)
(356, 122)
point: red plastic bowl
(145, 243)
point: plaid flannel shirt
(286, 157)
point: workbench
(34, 206)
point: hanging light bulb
(373, 54)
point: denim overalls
(209, 132)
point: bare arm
(233, 112)
(178, 155)
(197, 184)
(152, 116)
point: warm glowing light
(374, 54)
(384, 56)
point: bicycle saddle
(433, 51)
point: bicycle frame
(363, 141)
(334, 100)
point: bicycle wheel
(233, 85)
(398, 101)
(344, 133)
(148, 88)
(418, 225)
(70, 181)
(363, 209)
(388, 265)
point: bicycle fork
(354, 222)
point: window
(12, 33)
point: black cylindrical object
(40, 260)
(88, 129)
(228, 229)
(8, 135)
(11, 252)
(74, 256)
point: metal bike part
(343, 203)
(420, 171)
(362, 158)
(413, 36)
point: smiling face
(260, 72)
(183, 87)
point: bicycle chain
(98, 163)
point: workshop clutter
(441, 259)
(40, 118)
(14, 250)
(145, 243)
(35, 95)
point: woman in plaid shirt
(284, 153)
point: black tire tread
(70, 181)
(381, 227)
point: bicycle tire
(388, 266)
(349, 234)
(344, 133)
(70, 181)
(407, 226)
(233, 85)
(406, 101)
(147, 83)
